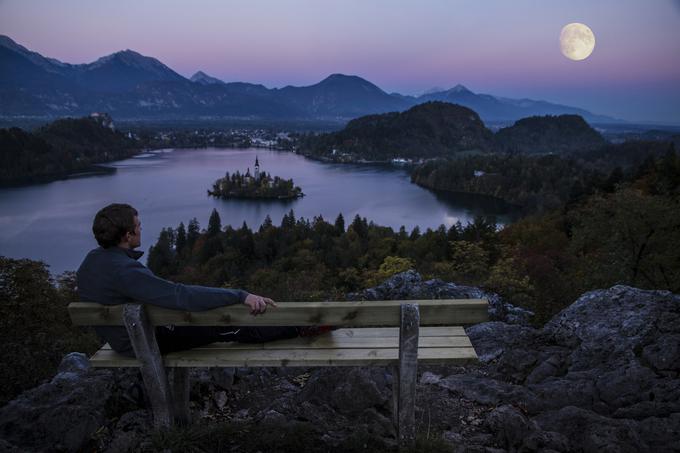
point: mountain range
(128, 85)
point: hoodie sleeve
(139, 283)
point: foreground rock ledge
(602, 375)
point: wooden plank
(143, 339)
(181, 386)
(394, 371)
(290, 357)
(408, 371)
(372, 332)
(389, 332)
(363, 313)
(327, 341)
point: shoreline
(98, 169)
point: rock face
(601, 375)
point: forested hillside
(536, 183)
(64, 146)
(548, 134)
(433, 129)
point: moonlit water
(52, 222)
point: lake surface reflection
(52, 222)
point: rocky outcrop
(62, 413)
(601, 375)
(409, 285)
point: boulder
(61, 414)
(348, 391)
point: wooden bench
(376, 333)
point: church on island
(258, 185)
(257, 170)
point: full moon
(577, 41)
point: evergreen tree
(181, 237)
(193, 232)
(214, 224)
(360, 226)
(340, 224)
(161, 256)
(266, 224)
(288, 221)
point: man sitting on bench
(111, 275)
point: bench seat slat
(372, 332)
(363, 313)
(290, 357)
(339, 342)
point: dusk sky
(500, 47)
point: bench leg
(406, 378)
(180, 390)
(394, 370)
(143, 338)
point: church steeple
(257, 169)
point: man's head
(117, 225)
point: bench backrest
(356, 314)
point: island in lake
(258, 185)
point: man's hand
(258, 304)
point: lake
(52, 222)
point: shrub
(35, 329)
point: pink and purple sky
(500, 47)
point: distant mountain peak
(35, 57)
(460, 89)
(204, 79)
(141, 64)
(127, 56)
(433, 90)
(339, 76)
(342, 78)
(344, 81)
(8, 42)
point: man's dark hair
(112, 223)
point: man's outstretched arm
(139, 283)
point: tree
(180, 238)
(628, 237)
(266, 224)
(508, 279)
(214, 224)
(469, 262)
(360, 226)
(339, 224)
(34, 323)
(288, 221)
(193, 232)
(161, 256)
(390, 266)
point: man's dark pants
(180, 338)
